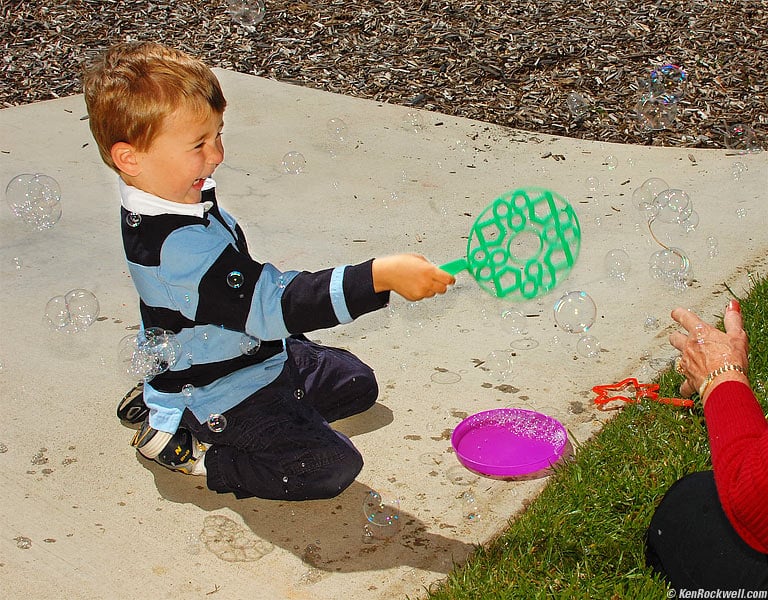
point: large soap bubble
(575, 312)
(654, 112)
(674, 206)
(247, 13)
(35, 199)
(383, 512)
(74, 312)
(149, 353)
(668, 81)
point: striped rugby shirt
(195, 278)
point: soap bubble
(691, 223)
(383, 512)
(588, 346)
(35, 199)
(337, 129)
(217, 423)
(655, 112)
(575, 312)
(235, 279)
(514, 322)
(133, 219)
(617, 264)
(294, 162)
(499, 362)
(413, 121)
(247, 13)
(645, 194)
(737, 170)
(671, 266)
(57, 314)
(188, 389)
(578, 106)
(592, 184)
(148, 353)
(74, 312)
(674, 206)
(712, 246)
(249, 345)
(668, 81)
(740, 137)
(651, 323)
(469, 508)
(611, 162)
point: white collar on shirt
(137, 201)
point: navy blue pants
(278, 443)
(691, 543)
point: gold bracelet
(716, 373)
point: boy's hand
(410, 275)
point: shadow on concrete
(330, 535)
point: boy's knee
(365, 389)
(334, 479)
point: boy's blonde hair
(134, 86)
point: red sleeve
(738, 439)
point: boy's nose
(216, 155)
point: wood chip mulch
(511, 63)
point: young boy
(157, 116)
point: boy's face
(186, 151)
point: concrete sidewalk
(83, 517)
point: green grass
(582, 537)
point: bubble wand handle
(455, 266)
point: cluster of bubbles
(247, 13)
(149, 353)
(35, 199)
(658, 103)
(659, 203)
(73, 312)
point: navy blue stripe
(306, 302)
(144, 242)
(226, 290)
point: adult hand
(705, 348)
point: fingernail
(734, 305)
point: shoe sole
(131, 409)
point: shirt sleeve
(738, 438)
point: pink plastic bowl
(508, 442)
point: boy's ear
(125, 159)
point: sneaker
(179, 451)
(132, 410)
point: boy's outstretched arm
(410, 275)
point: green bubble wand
(522, 244)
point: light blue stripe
(217, 397)
(336, 291)
(265, 318)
